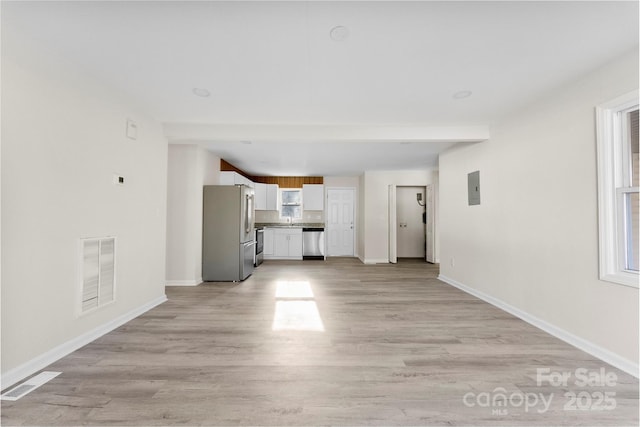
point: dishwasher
(313, 243)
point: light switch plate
(473, 185)
(132, 129)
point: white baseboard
(34, 365)
(184, 282)
(595, 350)
(375, 261)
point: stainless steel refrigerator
(228, 236)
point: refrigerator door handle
(248, 217)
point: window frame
(613, 183)
(282, 204)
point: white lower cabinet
(267, 243)
(286, 243)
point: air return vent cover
(98, 256)
(29, 385)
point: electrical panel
(473, 184)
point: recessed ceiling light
(339, 33)
(198, 91)
(462, 94)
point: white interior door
(430, 228)
(393, 214)
(340, 222)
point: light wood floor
(399, 347)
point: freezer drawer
(247, 254)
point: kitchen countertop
(294, 225)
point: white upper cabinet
(261, 196)
(227, 178)
(313, 197)
(234, 178)
(266, 197)
(272, 197)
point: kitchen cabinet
(313, 197)
(266, 197)
(234, 178)
(261, 196)
(272, 197)
(286, 243)
(267, 243)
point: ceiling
(270, 67)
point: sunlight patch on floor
(297, 316)
(296, 309)
(293, 289)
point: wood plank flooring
(399, 347)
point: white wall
(376, 209)
(342, 181)
(533, 241)
(63, 138)
(190, 167)
(436, 213)
(360, 218)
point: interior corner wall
(376, 208)
(360, 218)
(532, 243)
(63, 140)
(436, 213)
(190, 167)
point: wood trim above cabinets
(228, 167)
(282, 181)
(289, 181)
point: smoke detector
(339, 33)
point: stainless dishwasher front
(313, 243)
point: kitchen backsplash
(273, 217)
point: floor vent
(29, 385)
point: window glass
(632, 231)
(634, 146)
(291, 203)
(631, 202)
(291, 197)
(294, 212)
(618, 189)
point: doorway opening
(411, 223)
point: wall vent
(97, 272)
(29, 385)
